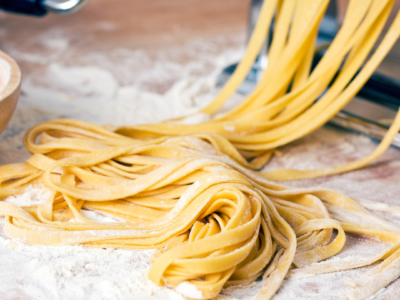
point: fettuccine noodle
(192, 192)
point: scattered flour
(375, 206)
(97, 217)
(299, 275)
(129, 86)
(76, 272)
(378, 294)
(195, 119)
(189, 290)
(32, 196)
(91, 92)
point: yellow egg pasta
(193, 192)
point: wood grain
(9, 95)
(105, 24)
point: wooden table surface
(103, 25)
(155, 26)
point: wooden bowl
(10, 87)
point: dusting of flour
(76, 272)
(189, 290)
(32, 196)
(92, 93)
(131, 87)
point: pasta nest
(214, 222)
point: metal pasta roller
(376, 103)
(41, 7)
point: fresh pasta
(214, 221)
(283, 106)
(193, 192)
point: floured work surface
(130, 86)
(75, 272)
(38, 272)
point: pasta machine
(376, 103)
